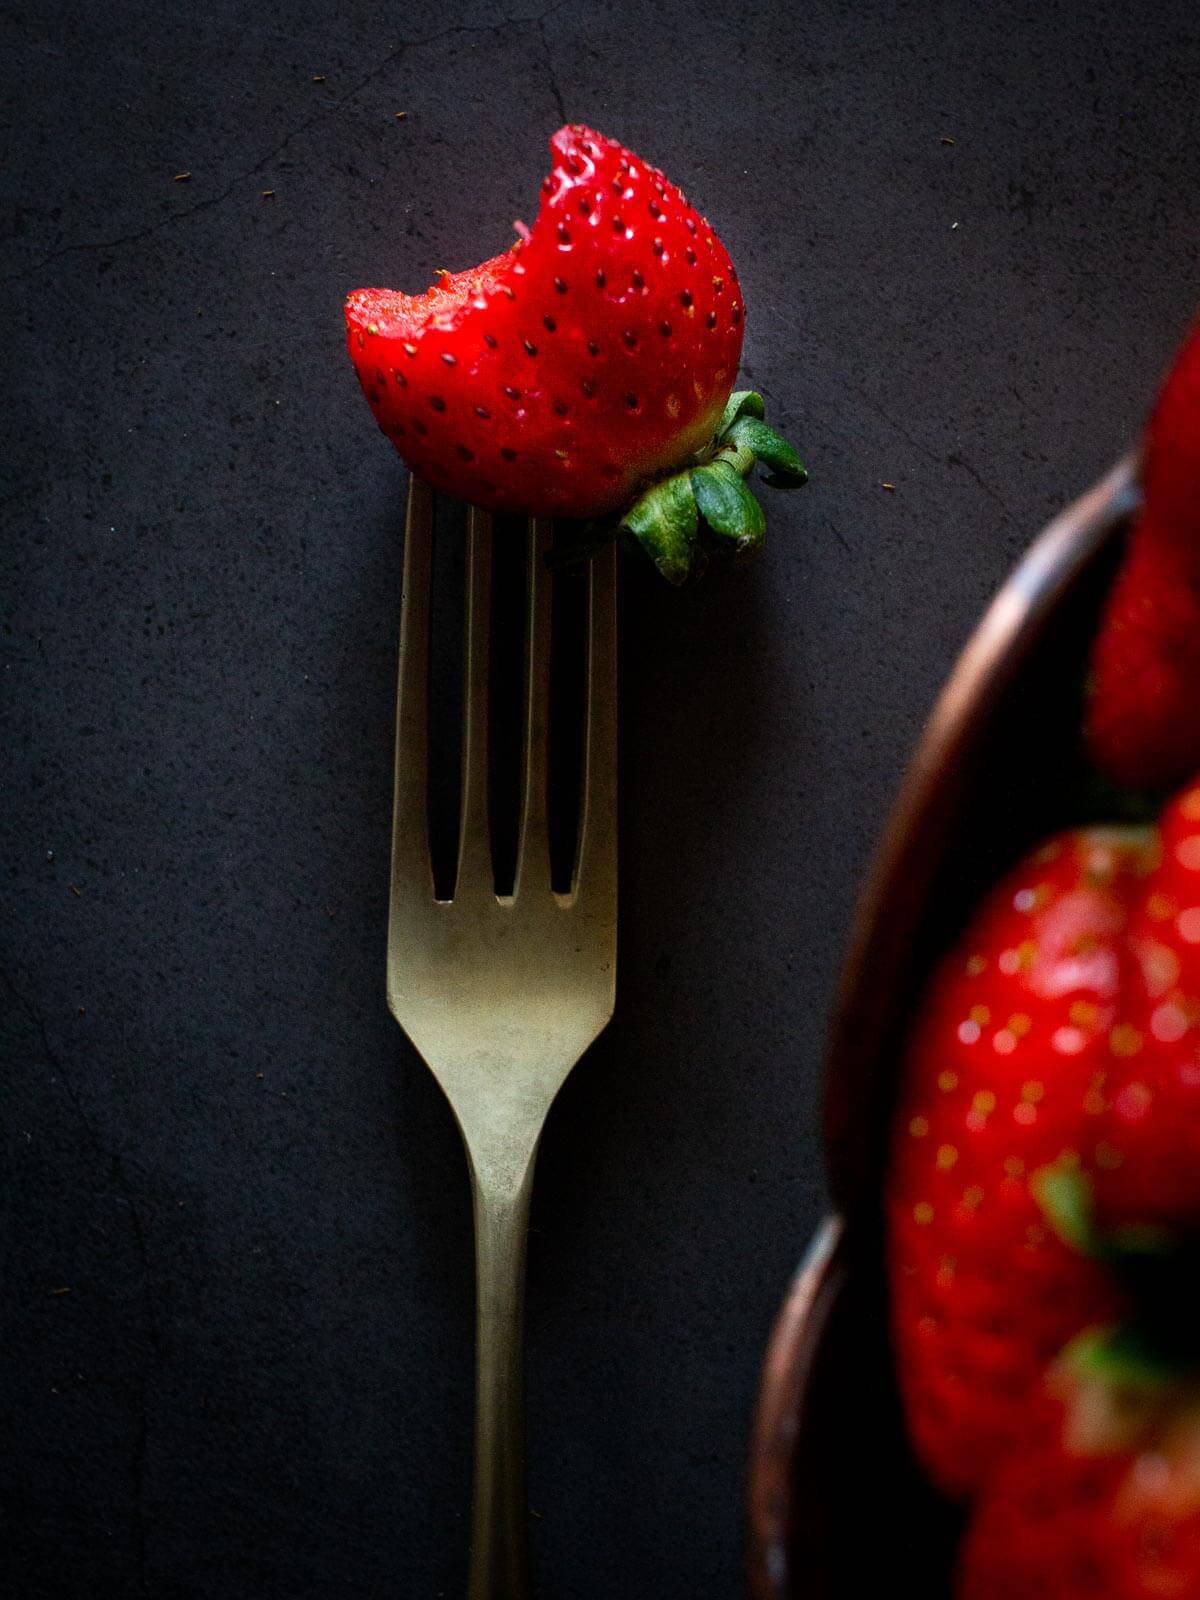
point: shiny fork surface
(501, 996)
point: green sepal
(663, 521)
(728, 507)
(1065, 1196)
(738, 457)
(1158, 1271)
(787, 471)
(682, 519)
(1120, 1386)
(1127, 1354)
(743, 403)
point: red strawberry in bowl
(1003, 1076)
(1145, 1168)
(1100, 1493)
(1143, 715)
(591, 364)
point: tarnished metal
(502, 995)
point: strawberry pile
(1004, 1072)
(1043, 1197)
(1044, 1181)
(588, 372)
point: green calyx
(1158, 1272)
(1065, 1196)
(1126, 1354)
(1120, 1390)
(706, 510)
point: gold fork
(502, 995)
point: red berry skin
(1171, 471)
(1143, 715)
(558, 378)
(1003, 1076)
(1146, 1165)
(1066, 1517)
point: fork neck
(502, 1184)
(501, 1145)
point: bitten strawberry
(1143, 715)
(1002, 1077)
(1099, 1496)
(590, 365)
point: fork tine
(412, 872)
(533, 855)
(596, 855)
(474, 848)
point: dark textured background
(214, 1137)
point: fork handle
(501, 1189)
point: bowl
(835, 1501)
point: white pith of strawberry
(591, 364)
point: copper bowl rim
(776, 1428)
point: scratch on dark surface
(919, 445)
(555, 89)
(838, 534)
(407, 45)
(125, 1194)
(1018, 396)
(911, 440)
(993, 494)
